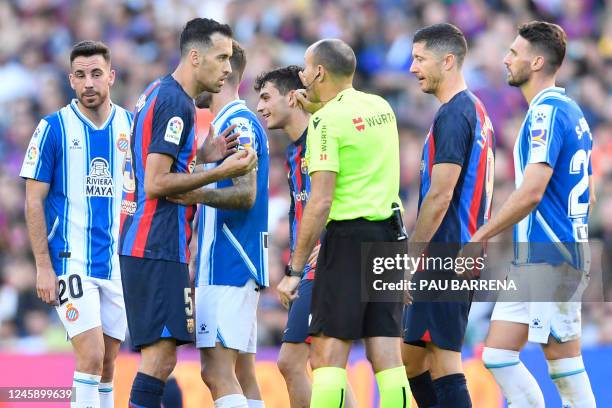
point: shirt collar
(344, 91)
(85, 119)
(540, 94)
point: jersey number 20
(579, 165)
(74, 287)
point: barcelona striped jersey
(82, 163)
(299, 188)
(164, 120)
(461, 134)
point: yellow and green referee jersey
(355, 136)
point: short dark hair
(336, 56)
(238, 62)
(199, 30)
(443, 37)
(88, 48)
(285, 79)
(548, 38)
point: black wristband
(289, 271)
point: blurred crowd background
(35, 41)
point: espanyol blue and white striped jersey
(555, 132)
(83, 165)
(233, 244)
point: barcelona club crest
(303, 165)
(190, 325)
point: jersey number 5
(188, 302)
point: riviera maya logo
(99, 182)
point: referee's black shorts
(337, 307)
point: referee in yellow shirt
(353, 161)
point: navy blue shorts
(299, 315)
(158, 300)
(441, 323)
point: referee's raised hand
(300, 98)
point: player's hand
(408, 275)
(239, 163)
(287, 289)
(189, 198)
(298, 98)
(470, 251)
(407, 297)
(47, 285)
(416, 250)
(218, 147)
(312, 259)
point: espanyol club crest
(123, 143)
(72, 314)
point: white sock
(107, 396)
(572, 381)
(516, 382)
(85, 388)
(231, 401)
(255, 403)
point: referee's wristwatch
(289, 271)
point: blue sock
(423, 390)
(173, 397)
(452, 392)
(146, 392)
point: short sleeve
(452, 135)
(40, 157)
(545, 127)
(248, 135)
(172, 120)
(322, 145)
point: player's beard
(432, 83)
(91, 103)
(519, 78)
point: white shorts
(227, 314)
(87, 302)
(561, 320)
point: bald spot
(335, 55)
